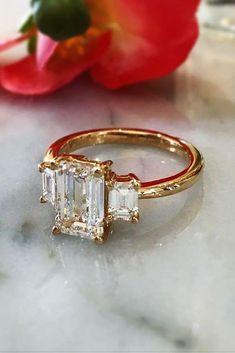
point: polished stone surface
(166, 284)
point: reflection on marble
(166, 284)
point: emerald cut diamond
(77, 191)
(49, 185)
(80, 201)
(123, 201)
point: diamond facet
(123, 201)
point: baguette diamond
(49, 185)
(77, 194)
(123, 201)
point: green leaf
(27, 24)
(61, 19)
(32, 45)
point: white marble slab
(166, 284)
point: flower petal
(26, 78)
(151, 39)
(45, 49)
(9, 43)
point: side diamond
(49, 185)
(123, 201)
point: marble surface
(165, 285)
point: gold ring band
(61, 167)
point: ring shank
(151, 189)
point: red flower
(129, 41)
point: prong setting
(47, 165)
(56, 230)
(97, 173)
(99, 240)
(42, 166)
(106, 166)
(42, 199)
(135, 217)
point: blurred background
(218, 15)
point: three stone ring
(88, 196)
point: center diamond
(79, 199)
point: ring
(88, 196)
